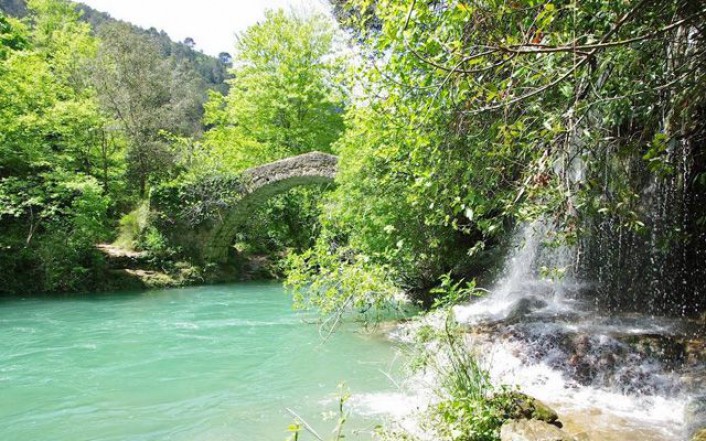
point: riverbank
(126, 269)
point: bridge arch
(259, 184)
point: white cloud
(213, 24)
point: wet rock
(694, 377)
(695, 418)
(582, 344)
(517, 405)
(699, 436)
(634, 363)
(524, 307)
(632, 354)
(532, 430)
(695, 352)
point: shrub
(132, 226)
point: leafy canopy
(283, 98)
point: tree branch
(534, 48)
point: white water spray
(537, 334)
(534, 331)
(531, 279)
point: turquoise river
(206, 363)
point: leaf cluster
(479, 115)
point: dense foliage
(481, 114)
(149, 97)
(210, 70)
(53, 207)
(455, 122)
(98, 114)
(87, 123)
(284, 99)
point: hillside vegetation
(454, 122)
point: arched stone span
(261, 183)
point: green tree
(11, 38)
(149, 96)
(482, 114)
(52, 210)
(63, 40)
(283, 99)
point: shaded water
(208, 363)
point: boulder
(699, 436)
(695, 418)
(516, 405)
(532, 430)
(524, 307)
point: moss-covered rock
(700, 435)
(516, 405)
(695, 418)
(532, 430)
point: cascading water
(602, 331)
(522, 286)
(648, 256)
(618, 376)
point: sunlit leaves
(283, 99)
(482, 114)
(52, 207)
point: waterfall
(537, 274)
(650, 257)
(626, 373)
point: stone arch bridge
(257, 184)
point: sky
(212, 24)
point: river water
(207, 363)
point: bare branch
(535, 48)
